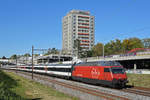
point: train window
(109, 63)
(117, 70)
(93, 63)
(106, 70)
(29, 67)
(60, 69)
(39, 68)
(99, 63)
(87, 64)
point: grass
(142, 80)
(18, 88)
(14, 87)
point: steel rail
(103, 95)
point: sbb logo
(95, 73)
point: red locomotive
(107, 73)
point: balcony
(83, 33)
(87, 27)
(84, 44)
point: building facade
(78, 25)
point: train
(105, 73)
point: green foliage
(27, 55)
(97, 50)
(113, 47)
(77, 48)
(13, 56)
(85, 54)
(89, 53)
(3, 57)
(132, 43)
(36, 55)
(14, 87)
(141, 80)
(52, 51)
(7, 84)
(118, 47)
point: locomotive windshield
(110, 63)
(99, 63)
(117, 70)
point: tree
(27, 55)
(126, 45)
(13, 56)
(89, 53)
(118, 46)
(3, 57)
(108, 49)
(85, 54)
(97, 50)
(52, 51)
(36, 55)
(77, 48)
(136, 43)
(48, 52)
(113, 47)
(132, 43)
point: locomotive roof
(54, 65)
(99, 63)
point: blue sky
(24, 23)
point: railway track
(127, 94)
(138, 91)
(101, 95)
(142, 88)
